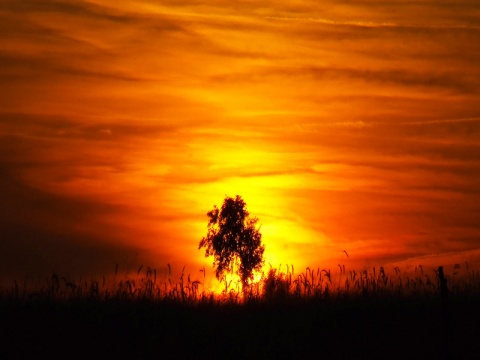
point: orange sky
(344, 126)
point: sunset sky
(344, 126)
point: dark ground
(360, 328)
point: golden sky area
(344, 126)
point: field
(354, 315)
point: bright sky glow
(344, 126)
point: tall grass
(375, 282)
(368, 313)
(144, 286)
(274, 285)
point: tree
(233, 240)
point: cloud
(396, 77)
(49, 68)
(43, 232)
(72, 7)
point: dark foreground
(322, 328)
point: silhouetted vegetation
(233, 240)
(355, 314)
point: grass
(350, 314)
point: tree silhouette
(233, 240)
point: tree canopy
(233, 240)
